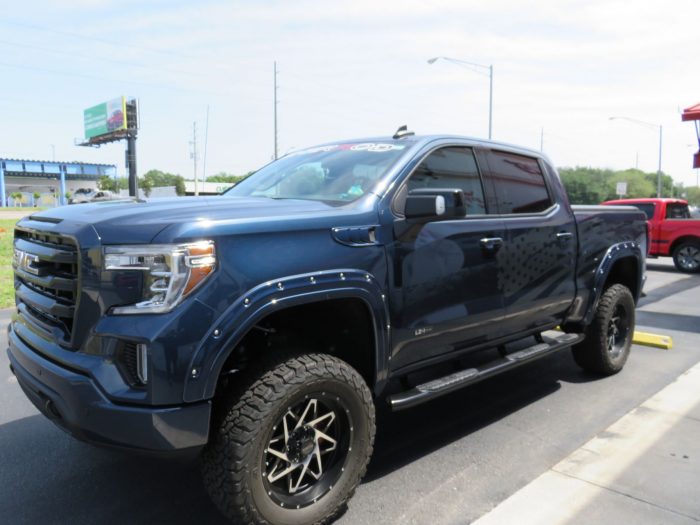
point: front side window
(336, 173)
(451, 168)
(519, 183)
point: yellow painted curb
(664, 342)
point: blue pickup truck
(261, 327)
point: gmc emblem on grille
(25, 261)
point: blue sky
(352, 69)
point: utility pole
(275, 106)
(206, 140)
(194, 157)
(541, 139)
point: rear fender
(615, 253)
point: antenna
(402, 132)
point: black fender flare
(277, 294)
(615, 253)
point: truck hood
(137, 222)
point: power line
(99, 59)
(105, 41)
(106, 79)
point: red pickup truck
(672, 232)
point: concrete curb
(641, 469)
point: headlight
(171, 271)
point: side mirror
(434, 204)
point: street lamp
(479, 69)
(649, 125)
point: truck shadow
(662, 292)
(658, 267)
(664, 321)
(404, 437)
(49, 477)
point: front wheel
(686, 257)
(292, 447)
(609, 336)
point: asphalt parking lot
(450, 461)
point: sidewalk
(645, 468)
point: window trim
(479, 169)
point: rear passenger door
(537, 261)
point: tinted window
(451, 168)
(520, 186)
(677, 211)
(647, 208)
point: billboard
(105, 118)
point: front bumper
(74, 402)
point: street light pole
(475, 67)
(650, 125)
(658, 176)
(275, 107)
(490, 99)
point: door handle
(491, 243)
(564, 236)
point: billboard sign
(105, 118)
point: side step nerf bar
(450, 383)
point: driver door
(444, 285)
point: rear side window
(647, 208)
(519, 183)
(677, 211)
(448, 168)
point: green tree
(17, 196)
(586, 185)
(112, 184)
(36, 195)
(593, 185)
(692, 194)
(227, 177)
(158, 179)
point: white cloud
(358, 68)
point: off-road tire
(598, 353)
(246, 421)
(686, 257)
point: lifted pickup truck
(262, 326)
(672, 231)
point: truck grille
(46, 277)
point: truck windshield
(337, 173)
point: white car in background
(89, 195)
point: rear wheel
(686, 257)
(292, 447)
(609, 336)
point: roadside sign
(621, 188)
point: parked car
(673, 231)
(261, 327)
(83, 196)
